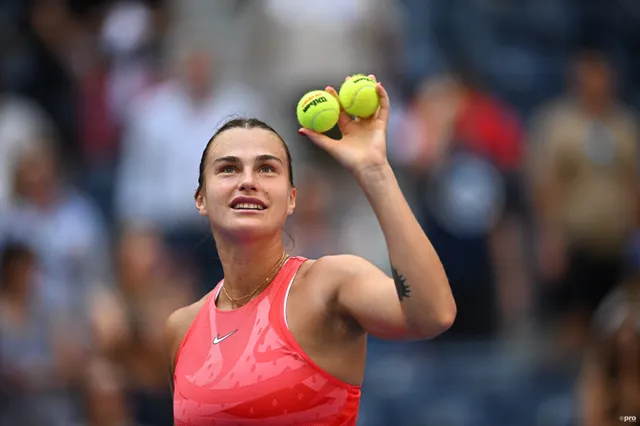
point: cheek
(279, 200)
(214, 199)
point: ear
(201, 203)
(292, 201)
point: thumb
(323, 141)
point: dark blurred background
(513, 134)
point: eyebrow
(233, 159)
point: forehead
(247, 143)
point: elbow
(443, 313)
(447, 318)
(447, 315)
(437, 324)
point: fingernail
(301, 132)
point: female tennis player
(282, 341)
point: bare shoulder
(327, 272)
(332, 272)
(178, 324)
(341, 267)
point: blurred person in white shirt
(65, 229)
(291, 49)
(161, 151)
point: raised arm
(417, 301)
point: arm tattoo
(402, 287)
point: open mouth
(247, 206)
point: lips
(247, 203)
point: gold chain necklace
(267, 280)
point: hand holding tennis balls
(363, 144)
(318, 110)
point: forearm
(421, 282)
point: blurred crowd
(513, 134)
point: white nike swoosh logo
(219, 339)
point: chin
(247, 229)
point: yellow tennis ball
(359, 97)
(318, 110)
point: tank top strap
(287, 273)
(277, 315)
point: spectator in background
(161, 152)
(128, 322)
(52, 45)
(64, 228)
(584, 173)
(285, 42)
(462, 148)
(106, 403)
(37, 361)
(130, 35)
(609, 385)
(124, 66)
(22, 123)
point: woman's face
(246, 193)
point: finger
(343, 118)
(385, 105)
(372, 77)
(323, 141)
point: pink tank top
(243, 367)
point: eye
(267, 169)
(227, 169)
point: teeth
(245, 206)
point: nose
(248, 182)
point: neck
(198, 96)
(246, 265)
